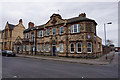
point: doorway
(32, 49)
(17, 49)
(53, 49)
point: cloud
(40, 12)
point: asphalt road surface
(18, 67)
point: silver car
(8, 53)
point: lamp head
(109, 23)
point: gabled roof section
(11, 26)
(55, 19)
(18, 40)
(34, 28)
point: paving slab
(99, 61)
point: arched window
(61, 47)
(23, 47)
(79, 48)
(89, 47)
(38, 47)
(42, 47)
(47, 47)
(72, 48)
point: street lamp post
(36, 39)
(105, 38)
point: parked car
(8, 53)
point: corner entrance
(53, 49)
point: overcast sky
(40, 12)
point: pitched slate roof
(40, 26)
(34, 28)
(11, 26)
(29, 29)
(77, 19)
(70, 20)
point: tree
(109, 42)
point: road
(18, 67)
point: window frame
(62, 48)
(27, 47)
(99, 46)
(61, 30)
(38, 48)
(72, 28)
(47, 46)
(70, 48)
(89, 47)
(77, 47)
(40, 32)
(53, 31)
(32, 37)
(24, 47)
(26, 35)
(47, 32)
(42, 47)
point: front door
(31, 49)
(53, 50)
(17, 49)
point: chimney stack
(20, 21)
(30, 24)
(82, 15)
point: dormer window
(75, 28)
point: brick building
(10, 33)
(74, 37)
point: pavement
(99, 61)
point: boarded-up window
(88, 27)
